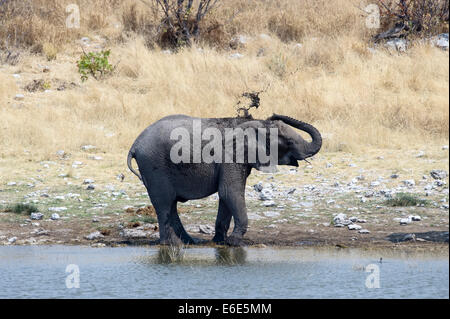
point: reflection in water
(227, 256)
(170, 254)
(231, 256)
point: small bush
(404, 199)
(413, 17)
(20, 208)
(95, 64)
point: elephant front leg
(222, 223)
(235, 202)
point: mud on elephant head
(181, 158)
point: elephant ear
(251, 147)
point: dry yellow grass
(358, 99)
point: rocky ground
(339, 199)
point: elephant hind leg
(163, 199)
(178, 228)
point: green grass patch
(144, 219)
(405, 199)
(20, 208)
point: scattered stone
(57, 209)
(445, 148)
(364, 231)
(36, 216)
(354, 227)
(90, 187)
(405, 221)
(206, 229)
(19, 97)
(236, 56)
(12, 240)
(266, 194)
(76, 164)
(415, 218)
(55, 216)
(397, 44)
(96, 158)
(438, 174)
(11, 184)
(94, 235)
(88, 147)
(61, 153)
(409, 183)
(341, 219)
(269, 203)
(420, 154)
(440, 183)
(258, 187)
(88, 181)
(394, 176)
(271, 214)
(441, 41)
(291, 190)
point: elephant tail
(132, 155)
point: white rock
(397, 44)
(36, 216)
(12, 184)
(405, 221)
(236, 56)
(94, 235)
(409, 183)
(364, 231)
(441, 41)
(88, 147)
(12, 240)
(206, 229)
(96, 158)
(55, 216)
(266, 194)
(420, 154)
(57, 209)
(438, 174)
(19, 97)
(271, 214)
(354, 227)
(269, 203)
(88, 181)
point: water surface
(151, 272)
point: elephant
(169, 182)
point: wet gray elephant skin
(168, 183)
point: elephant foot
(170, 239)
(194, 241)
(234, 241)
(219, 239)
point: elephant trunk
(314, 146)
